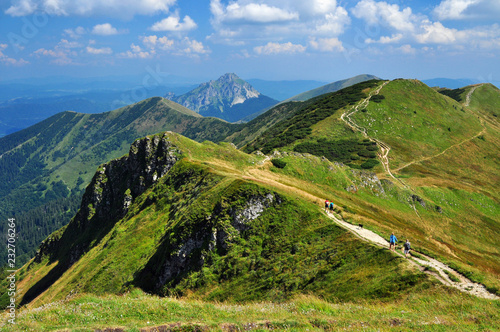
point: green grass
(451, 276)
(136, 310)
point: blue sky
(322, 40)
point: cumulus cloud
(407, 49)
(333, 23)
(452, 9)
(276, 48)
(467, 9)
(98, 51)
(419, 28)
(8, 60)
(385, 14)
(60, 56)
(105, 29)
(326, 44)
(154, 45)
(436, 33)
(173, 23)
(250, 13)
(152, 42)
(75, 33)
(386, 39)
(242, 21)
(118, 8)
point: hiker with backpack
(327, 204)
(406, 248)
(392, 242)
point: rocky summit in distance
(229, 98)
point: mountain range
(236, 215)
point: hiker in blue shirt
(392, 242)
(331, 207)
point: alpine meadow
(166, 220)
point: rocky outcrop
(367, 180)
(111, 192)
(212, 233)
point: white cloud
(452, 9)
(8, 60)
(418, 28)
(75, 33)
(155, 45)
(326, 44)
(386, 39)
(407, 49)
(241, 22)
(333, 23)
(276, 48)
(105, 29)
(467, 9)
(436, 33)
(192, 47)
(117, 8)
(173, 23)
(152, 42)
(98, 51)
(61, 56)
(385, 14)
(251, 13)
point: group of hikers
(329, 206)
(392, 239)
(406, 246)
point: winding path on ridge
(346, 117)
(464, 284)
(258, 174)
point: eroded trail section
(464, 284)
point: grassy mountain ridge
(56, 158)
(205, 227)
(224, 225)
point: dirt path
(464, 284)
(466, 104)
(384, 148)
(467, 98)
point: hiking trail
(464, 284)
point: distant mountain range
(229, 98)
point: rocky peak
(221, 94)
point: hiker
(407, 247)
(327, 204)
(392, 242)
(331, 207)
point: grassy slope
(307, 254)
(292, 248)
(66, 149)
(461, 182)
(415, 312)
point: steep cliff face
(229, 98)
(112, 190)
